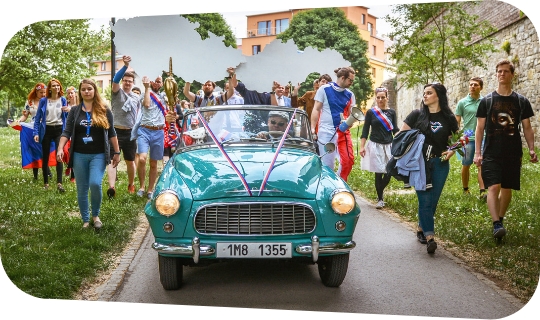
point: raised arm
(120, 74)
(190, 95)
(146, 99)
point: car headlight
(167, 203)
(342, 202)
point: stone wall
(524, 53)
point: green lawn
(464, 224)
(44, 250)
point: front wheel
(333, 269)
(170, 272)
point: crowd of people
(143, 127)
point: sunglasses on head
(381, 89)
(280, 124)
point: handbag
(403, 141)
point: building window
(363, 18)
(264, 28)
(256, 49)
(370, 28)
(374, 50)
(100, 84)
(281, 25)
(374, 72)
(103, 66)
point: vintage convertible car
(246, 182)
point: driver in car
(277, 122)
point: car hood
(209, 175)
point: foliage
(506, 46)
(463, 223)
(323, 28)
(62, 49)
(214, 23)
(44, 250)
(432, 40)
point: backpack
(521, 101)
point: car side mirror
(328, 148)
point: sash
(387, 124)
(157, 101)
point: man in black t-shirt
(501, 117)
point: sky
(16, 304)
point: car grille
(255, 219)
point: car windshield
(246, 125)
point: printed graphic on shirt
(435, 126)
(503, 118)
(86, 123)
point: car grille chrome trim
(257, 218)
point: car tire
(170, 272)
(333, 269)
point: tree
(432, 40)
(215, 23)
(62, 49)
(323, 28)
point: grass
(46, 253)
(44, 250)
(463, 224)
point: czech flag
(31, 150)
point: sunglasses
(381, 89)
(280, 124)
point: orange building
(263, 28)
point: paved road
(389, 273)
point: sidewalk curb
(108, 289)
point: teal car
(246, 182)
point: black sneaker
(111, 192)
(421, 237)
(431, 246)
(498, 230)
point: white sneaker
(380, 204)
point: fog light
(340, 225)
(168, 227)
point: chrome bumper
(196, 250)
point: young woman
(376, 154)
(437, 122)
(73, 100)
(48, 125)
(90, 128)
(39, 91)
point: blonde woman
(73, 100)
(90, 128)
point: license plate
(253, 250)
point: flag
(31, 150)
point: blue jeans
(428, 199)
(89, 170)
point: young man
(501, 113)
(208, 98)
(125, 105)
(466, 109)
(332, 100)
(150, 134)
